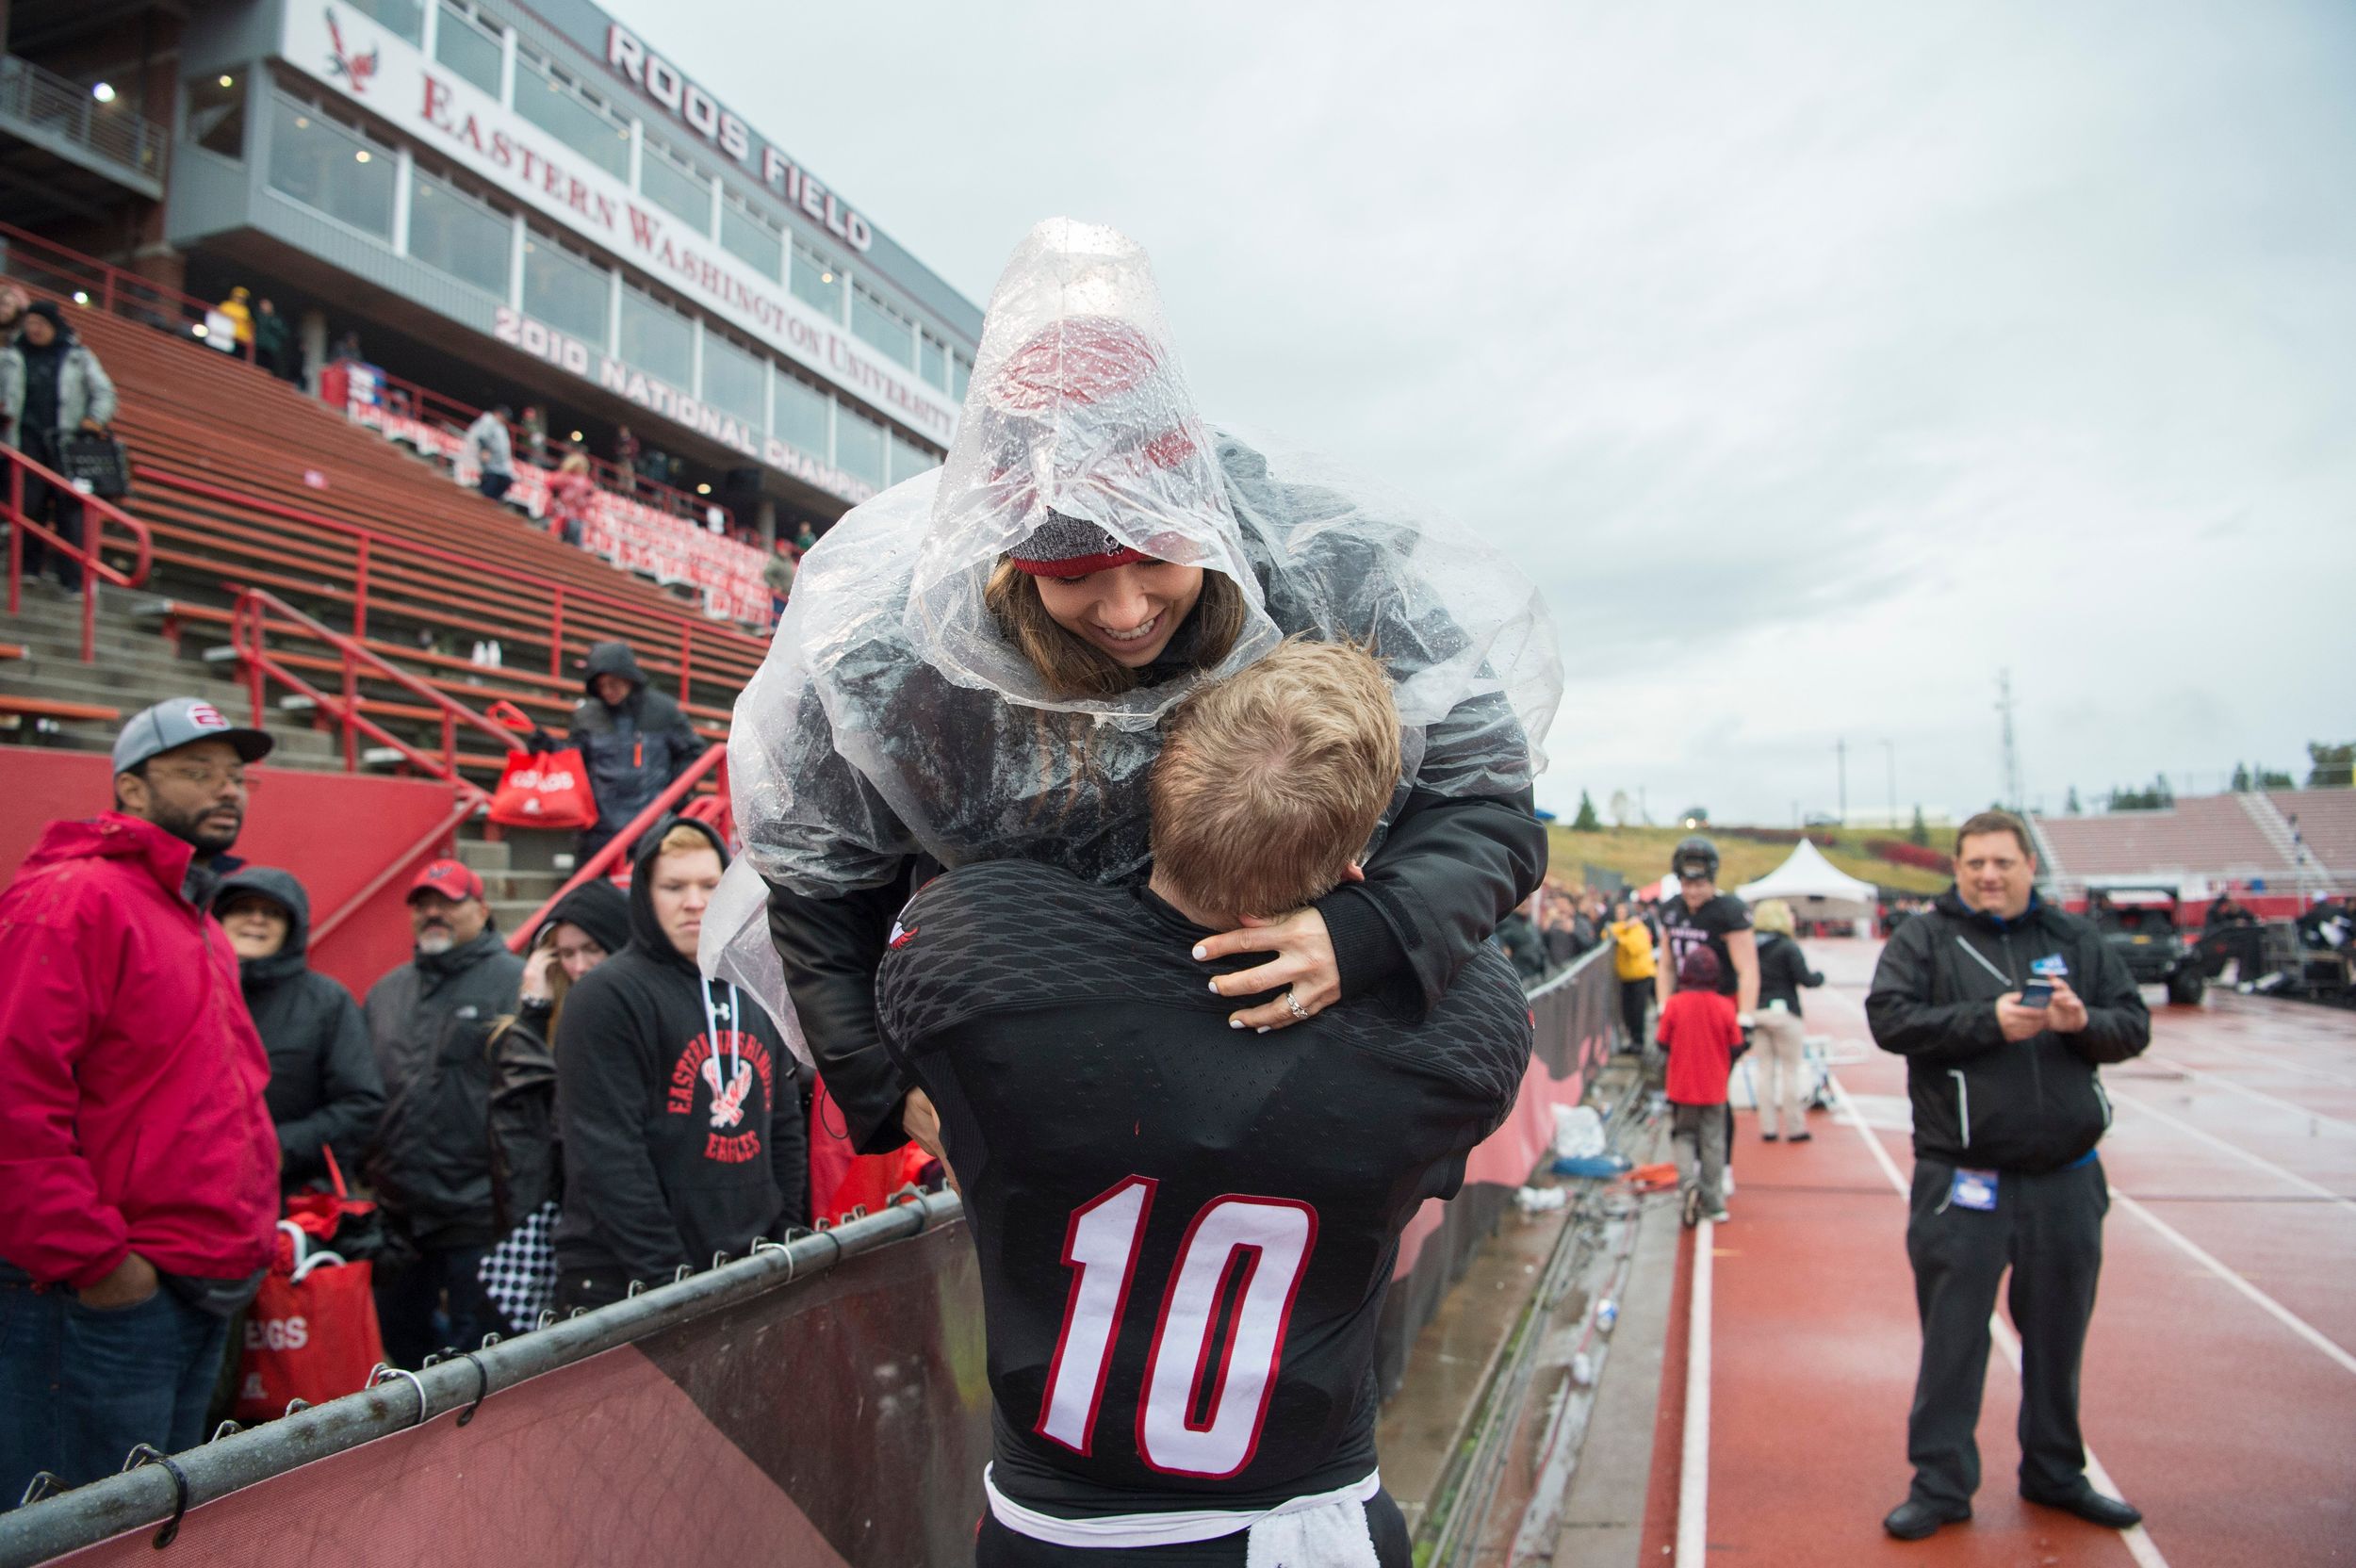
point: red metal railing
(96, 514)
(426, 404)
(370, 544)
(103, 285)
(601, 863)
(249, 626)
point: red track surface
(2233, 1431)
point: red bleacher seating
(231, 464)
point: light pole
(1840, 751)
(1889, 753)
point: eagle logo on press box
(358, 70)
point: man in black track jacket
(1185, 1229)
(2008, 1108)
(430, 1021)
(681, 1110)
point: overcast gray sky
(1818, 359)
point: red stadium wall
(334, 831)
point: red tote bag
(311, 1334)
(544, 788)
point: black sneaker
(1766, 1137)
(1803, 1136)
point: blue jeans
(81, 1387)
(411, 1313)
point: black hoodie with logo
(324, 1089)
(1979, 1100)
(681, 1108)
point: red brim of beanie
(1078, 566)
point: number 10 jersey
(1185, 1230)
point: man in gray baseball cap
(143, 1194)
(181, 765)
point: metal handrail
(94, 567)
(369, 538)
(48, 101)
(602, 862)
(250, 617)
(104, 286)
(428, 404)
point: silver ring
(1300, 1014)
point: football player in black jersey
(1701, 916)
(1185, 1229)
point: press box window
(217, 113)
(405, 18)
(329, 168)
(672, 183)
(908, 459)
(746, 236)
(935, 368)
(960, 371)
(805, 416)
(563, 290)
(885, 328)
(558, 107)
(858, 447)
(658, 339)
(817, 282)
(733, 380)
(459, 237)
(470, 48)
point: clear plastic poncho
(893, 718)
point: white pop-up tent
(1814, 887)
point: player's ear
(1354, 871)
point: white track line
(2246, 1092)
(1694, 1467)
(2137, 1540)
(2275, 1064)
(2237, 1151)
(2191, 1249)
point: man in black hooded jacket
(680, 1110)
(324, 1089)
(635, 742)
(2008, 1108)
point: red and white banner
(630, 534)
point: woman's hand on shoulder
(1303, 965)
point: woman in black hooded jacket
(325, 1090)
(680, 1110)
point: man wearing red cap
(431, 1021)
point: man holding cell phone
(2004, 1007)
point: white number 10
(1268, 1240)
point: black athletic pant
(2049, 1231)
(996, 1546)
(1635, 999)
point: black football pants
(2049, 1231)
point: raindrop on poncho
(894, 717)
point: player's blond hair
(1271, 782)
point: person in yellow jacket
(1633, 960)
(239, 312)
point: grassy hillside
(1642, 855)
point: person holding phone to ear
(2002, 1051)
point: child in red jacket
(1699, 1030)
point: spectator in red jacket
(1698, 1029)
(137, 1158)
(570, 493)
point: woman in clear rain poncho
(974, 663)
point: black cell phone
(2036, 993)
